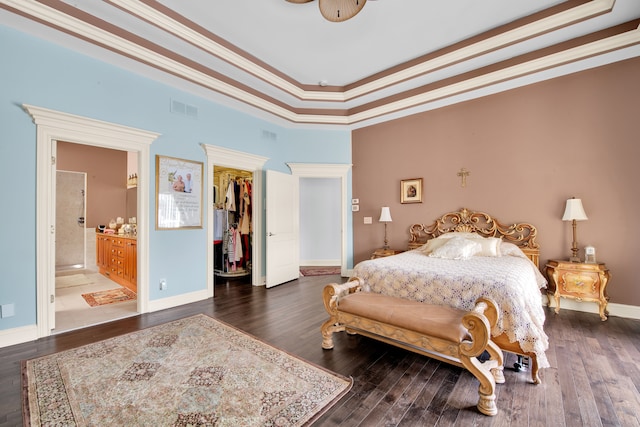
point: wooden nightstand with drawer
(579, 281)
(381, 253)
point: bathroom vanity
(117, 258)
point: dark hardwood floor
(594, 379)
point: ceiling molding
(192, 33)
(379, 95)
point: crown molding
(79, 24)
(189, 32)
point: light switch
(367, 220)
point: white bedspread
(512, 281)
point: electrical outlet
(368, 220)
(163, 284)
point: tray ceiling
(283, 62)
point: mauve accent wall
(106, 179)
(527, 150)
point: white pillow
(432, 245)
(490, 246)
(457, 248)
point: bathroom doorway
(91, 189)
(52, 125)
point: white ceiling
(396, 57)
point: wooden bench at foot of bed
(448, 334)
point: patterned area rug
(195, 371)
(319, 271)
(109, 297)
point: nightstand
(579, 281)
(381, 253)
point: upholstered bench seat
(432, 320)
(445, 333)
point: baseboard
(618, 310)
(19, 335)
(320, 263)
(175, 301)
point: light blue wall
(320, 219)
(43, 74)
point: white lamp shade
(385, 215)
(574, 210)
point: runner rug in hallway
(319, 271)
(192, 371)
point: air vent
(192, 111)
(183, 109)
(271, 136)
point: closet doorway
(232, 224)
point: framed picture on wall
(179, 192)
(411, 190)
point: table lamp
(385, 216)
(573, 212)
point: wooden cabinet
(131, 261)
(103, 248)
(117, 259)
(579, 281)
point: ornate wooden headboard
(521, 234)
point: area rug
(110, 296)
(196, 371)
(72, 280)
(319, 271)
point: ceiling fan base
(336, 10)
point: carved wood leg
(603, 310)
(498, 357)
(487, 389)
(557, 298)
(548, 299)
(534, 368)
(327, 329)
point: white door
(282, 219)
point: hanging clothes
(219, 224)
(230, 202)
(236, 192)
(248, 186)
(234, 248)
(245, 219)
(238, 245)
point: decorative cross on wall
(463, 174)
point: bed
(465, 255)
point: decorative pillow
(490, 246)
(457, 248)
(432, 245)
